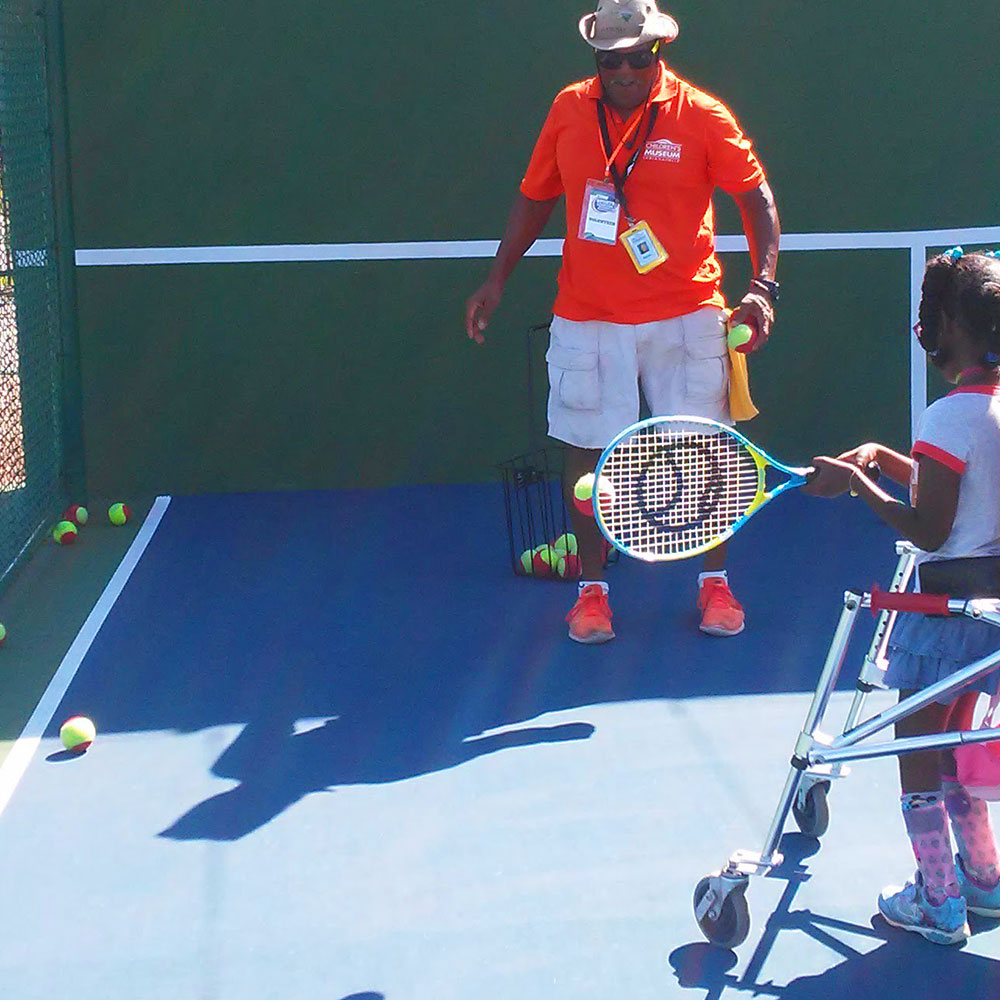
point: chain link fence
(32, 488)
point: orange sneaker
(721, 613)
(590, 618)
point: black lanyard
(618, 179)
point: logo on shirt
(663, 150)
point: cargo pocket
(706, 369)
(574, 378)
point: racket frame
(762, 460)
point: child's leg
(970, 817)
(923, 804)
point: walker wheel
(733, 924)
(813, 816)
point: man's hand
(830, 478)
(755, 310)
(479, 307)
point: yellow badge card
(643, 247)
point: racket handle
(924, 604)
(873, 472)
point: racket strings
(677, 490)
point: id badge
(643, 247)
(599, 217)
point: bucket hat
(624, 24)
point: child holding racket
(954, 512)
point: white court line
(23, 750)
(457, 249)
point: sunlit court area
(290, 704)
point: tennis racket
(683, 485)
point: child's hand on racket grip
(829, 477)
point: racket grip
(923, 604)
(873, 472)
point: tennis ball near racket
(583, 494)
(527, 561)
(64, 532)
(566, 544)
(77, 514)
(569, 567)
(739, 335)
(3, 634)
(544, 560)
(77, 733)
(118, 513)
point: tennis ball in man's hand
(77, 514)
(567, 544)
(739, 335)
(527, 561)
(118, 513)
(544, 561)
(64, 532)
(569, 567)
(583, 493)
(77, 733)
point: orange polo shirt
(695, 146)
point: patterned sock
(588, 583)
(927, 826)
(970, 822)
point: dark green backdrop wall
(259, 123)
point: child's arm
(927, 524)
(897, 467)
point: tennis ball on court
(77, 733)
(583, 493)
(739, 335)
(64, 532)
(544, 560)
(118, 513)
(569, 567)
(3, 634)
(527, 561)
(77, 514)
(566, 544)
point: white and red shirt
(962, 432)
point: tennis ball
(64, 532)
(527, 560)
(544, 560)
(3, 634)
(77, 514)
(77, 733)
(566, 544)
(583, 493)
(118, 513)
(739, 335)
(569, 567)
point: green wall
(241, 123)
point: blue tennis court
(343, 753)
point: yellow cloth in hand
(740, 404)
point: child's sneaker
(978, 898)
(908, 909)
(590, 618)
(721, 613)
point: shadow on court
(904, 966)
(395, 615)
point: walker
(720, 904)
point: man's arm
(525, 223)
(763, 232)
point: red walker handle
(922, 604)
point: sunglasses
(642, 59)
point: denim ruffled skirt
(923, 650)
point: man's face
(627, 86)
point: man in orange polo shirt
(637, 153)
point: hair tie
(955, 253)
(992, 253)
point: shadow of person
(276, 767)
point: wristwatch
(772, 288)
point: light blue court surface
(345, 753)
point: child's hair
(964, 287)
